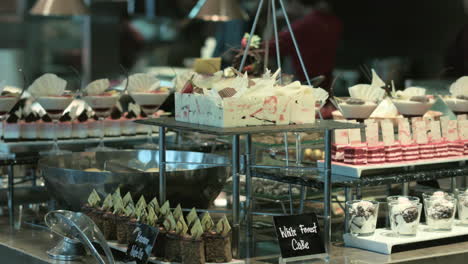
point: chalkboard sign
(141, 243)
(298, 235)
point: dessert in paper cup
(439, 208)
(457, 101)
(363, 99)
(362, 217)
(413, 101)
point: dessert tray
(123, 248)
(24, 146)
(383, 240)
(356, 171)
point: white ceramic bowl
(457, 105)
(412, 108)
(351, 111)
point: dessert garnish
(127, 199)
(362, 209)
(181, 228)
(108, 203)
(130, 211)
(97, 87)
(206, 222)
(141, 213)
(407, 210)
(197, 230)
(141, 202)
(119, 207)
(65, 118)
(152, 218)
(94, 199)
(177, 212)
(227, 92)
(116, 195)
(222, 227)
(192, 216)
(46, 118)
(155, 205)
(169, 223)
(441, 208)
(134, 111)
(142, 82)
(47, 85)
(165, 209)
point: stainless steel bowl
(191, 185)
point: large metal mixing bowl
(191, 185)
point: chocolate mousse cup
(160, 244)
(217, 247)
(109, 226)
(173, 249)
(122, 228)
(193, 251)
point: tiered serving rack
(325, 126)
(322, 178)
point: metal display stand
(26, 152)
(326, 126)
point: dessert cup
(102, 106)
(463, 207)
(362, 217)
(439, 209)
(54, 106)
(149, 103)
(404, 213)
(6, 104)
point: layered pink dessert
(355, 154)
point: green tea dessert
(193, 249)
(218, 241)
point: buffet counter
(29, 245)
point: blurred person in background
(317, 30)
(457, 56)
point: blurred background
(405, 41)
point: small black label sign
(299, 235)
(141, 243)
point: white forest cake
(239, 101)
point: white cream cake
(240, 101)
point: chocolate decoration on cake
(65, 118)
(227, 92)
(46, 118)
(131, 115)
(13, 118)
(83, 117)
(31, 118)
(116, 114)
